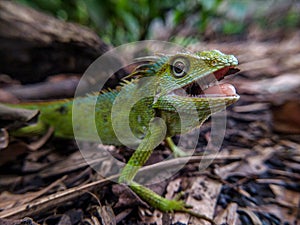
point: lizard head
(189, 79)
(193, 78)
(194, 74)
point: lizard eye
(179, 67)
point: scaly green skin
(156, 80)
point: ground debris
(253, 180)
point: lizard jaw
(210, 89)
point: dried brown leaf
(229, 215)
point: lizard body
(170, 86)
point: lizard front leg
(154, 136)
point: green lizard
(170, 86)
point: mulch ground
(254, 179)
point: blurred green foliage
(121, 21)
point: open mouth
(211, 88)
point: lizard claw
(176, 205)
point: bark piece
(34, 45)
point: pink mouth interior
(220, 74)
(221, 89)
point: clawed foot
(176, 205)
